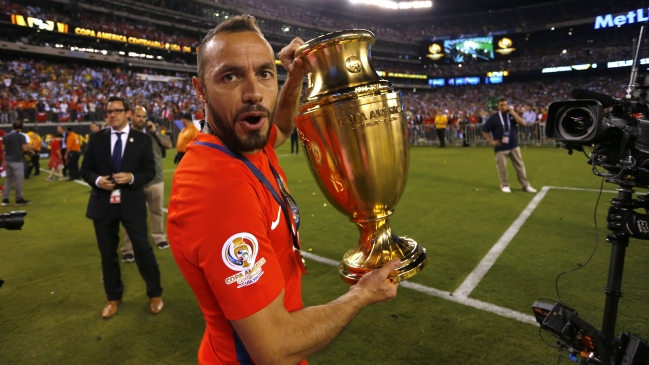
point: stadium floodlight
(388, 4)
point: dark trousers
(107, 233)
(36, 164)
(73, 165)
(294, 143)
(441, 135)
(65, 165)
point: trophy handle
(378, 245)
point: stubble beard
(256, 140)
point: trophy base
(412, 263)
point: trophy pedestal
(376, 247)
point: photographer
(504, 138)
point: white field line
(80, 182)
(459, 296)
(505, 312)
(580, 189)
(472, 281)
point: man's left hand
(292, 65)
(122, 178)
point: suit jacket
(137, 159)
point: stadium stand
(158, 76)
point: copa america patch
(240, 254)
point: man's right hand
(106, 184)
(375, 286)
(495, 142)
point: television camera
(12, 220)
(620, 138)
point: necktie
(117, 153)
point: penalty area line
(472, 281)
(477, 304)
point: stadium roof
(440, 7)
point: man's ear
(199, 87)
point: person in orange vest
(185, 136)
(35, 142)
(72, 154)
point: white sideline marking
(580, 189)
(461, 294)
(488, 307)
(81, 182)
(472, 281)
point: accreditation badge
(116, 196)
(505, 139)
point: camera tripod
(579, 337)
(614, 350)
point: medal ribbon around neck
(293, 217)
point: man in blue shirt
(501, 131)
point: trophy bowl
(354, 132)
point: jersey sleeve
(226, 226)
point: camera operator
(504, 137)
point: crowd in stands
(472, 100)
(51, 92)
(534, 54)
(417, 26)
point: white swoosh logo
(274, 224)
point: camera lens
(576, 123)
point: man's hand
(289, 96)
(150, 126)
(292, 65)
(375, 286)
(123, 178)
(495, 142)
(106, 184)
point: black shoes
(20, 202)
(162, 245)
(129, 257)
(5, 202)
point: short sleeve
(225, 234)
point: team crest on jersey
(240, 254)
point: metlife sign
(609, 21)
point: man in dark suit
(117, 164)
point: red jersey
(55, 148)
(231, 241)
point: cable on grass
(580, 266)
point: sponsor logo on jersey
(239, 254)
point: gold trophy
(354, 131)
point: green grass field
(51, 301)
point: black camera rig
(12, 220)
(620, 139)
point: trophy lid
(337, 62)
(330, 39)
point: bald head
(138, 118)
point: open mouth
(252, 121)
